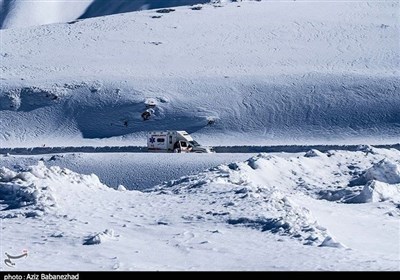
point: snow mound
(381, 182)
(100, 237)
(239, 195)
(384, 171)
(366, 148)
(121, 188)
(330, 242)
(36, 190)
(375, 191)
(314, 153)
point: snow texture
(293, 72)
(248, 73)
(22, 13)
(262, 207)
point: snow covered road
(217, 149)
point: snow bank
(37, 189)
(100, 237)
(375, 191)
(381, 183)
(241, 195)
(330, 242)
(231, 216)
(384, 171)
(258, 193)
(314, 153)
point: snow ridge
(37, 190)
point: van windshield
(194, 143)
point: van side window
(160, 140)
(183, 144)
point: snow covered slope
(103, 8)
(244, 73)
(22, 13)
(271, 212)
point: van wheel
(177, 150)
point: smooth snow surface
(249, 73)
(270, 212)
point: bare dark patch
(165, 11)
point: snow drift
(36, 190)
(225, 194)
(239, 201)
(260, 193)
(220, 218)
(384, 171)
(376, 191)
(381, 183)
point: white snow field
(241, 73)
(248, 73)
(270, 212)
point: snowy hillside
(240, 73)
(231, 73)
(22, 13)
(270, 212)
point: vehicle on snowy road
(174, 141)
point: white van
(174, 141)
